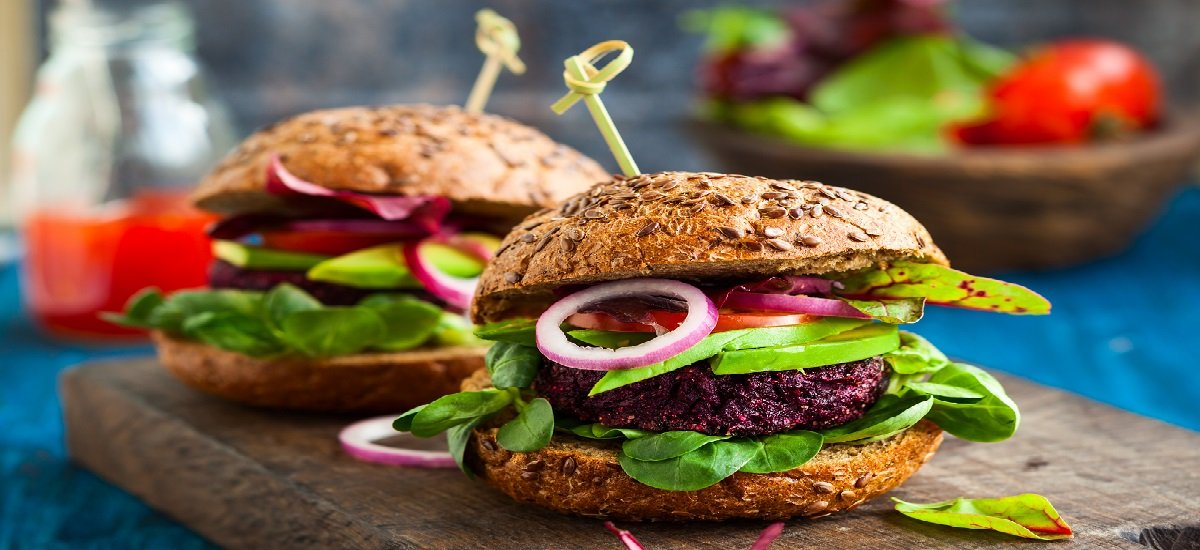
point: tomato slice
(329, 243)
(727, 320)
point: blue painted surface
(1121, 332)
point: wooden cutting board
(248, 478)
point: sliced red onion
(554, 344)
(627, 538)
(455, 291)
(768, 536)
(783, 284)
(358, 440)
(827, 307)
(282, 182)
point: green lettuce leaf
(943, 286)
(1029, 515)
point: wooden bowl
(995, 209)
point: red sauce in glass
(79, 264)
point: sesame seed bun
(365, 382)
(583, 477)
(485, 164)
(695, 226)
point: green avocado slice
(853, 345)
(383, 267)
(256, 257)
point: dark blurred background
(273, 58)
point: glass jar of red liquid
(119, 129)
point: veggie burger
(697, 346)
(349, 248)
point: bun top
(485, 164)
(695, 227)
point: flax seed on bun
(694, 226)
(485, 164)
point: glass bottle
(119, 128)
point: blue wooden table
(1121, 333)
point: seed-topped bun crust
(695, 226)
(485, 164)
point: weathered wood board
(247, 478)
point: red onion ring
(358, 440)
(553, 343)
(389, 207)
(826, 307)
(455, 291)
(627, 538)
(768, 536)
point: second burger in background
(349, 249)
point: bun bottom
(582, 477)
(366, 382)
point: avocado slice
(383, 267)
(852, 345)
(256, 257)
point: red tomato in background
(330, 243)
(727, 320)
(1070, 92)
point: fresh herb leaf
(408, 322)
(233, 331)
(333, 331)
(512, 365)
(695, 470)
(887, 417)
(944, 391)
(907, 310)
(943, 286)
(783, 452)
(915, 355)
(285, 299)
(530, 430)
(994, 417)
(456, 409)
(138, 310)
(516, 331)
(852, 345)
(403, 423)
(457, 438)
(665, 445)
(1029, 515)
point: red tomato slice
(728, 320)
(330, 243)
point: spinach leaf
(171, 315)
(901, 311)
(665, 445)
(1030, 516)
(695, 470)
(944, 286)
(138, 310)
(403, 423)
(512, 365)
(456, 409)
(530, 430)
(233, 331)
(600, 431)
(915, 355)
(408, 322)
(285, 299)
(944, 391)
(332, 331)
(887, 417)
(994, 417)
(782, 452)
(457, 438)
(516, 331)
(732, 28)
(453, 329)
